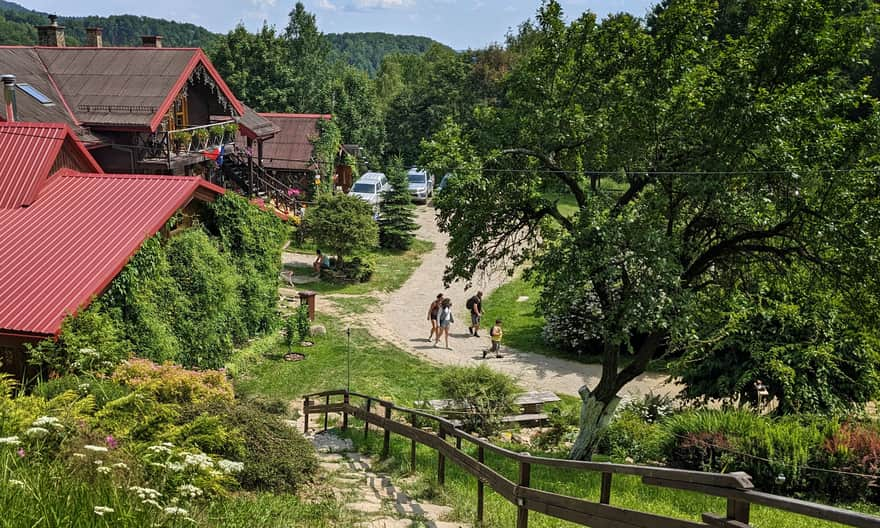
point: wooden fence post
(605, 493)
(366, 423)
(326, 412)
(412, 447)
(522, 513)
(479, 489)
(306, 416)
(441, 458)
(345, 401)
(386, 443)
(738, 511)
(458, 443)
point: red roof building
(65, 234)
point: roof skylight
(33, 92)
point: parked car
(369, 188)
(444, 181)
(421, 185)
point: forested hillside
(17, 27)
(366, 50)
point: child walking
(495, 334)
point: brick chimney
(94, 37)
(151, 41)
(51, 35)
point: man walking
(475, 305)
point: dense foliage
(714, 155)
(187, 299)
(365, 51)
(397, 224)
(341, 225)
(483, 396)
(159, 447)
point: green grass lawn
(393, 268)
(627, 491)
(377, 367)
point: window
(36, 94)
(364, 188)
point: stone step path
(370, 495)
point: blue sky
(457, 23)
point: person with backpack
(445, 319)
(475, 306)
(495, 335)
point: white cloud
(263, 4)
(326, 5)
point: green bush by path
(392, 268)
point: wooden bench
(531, 406)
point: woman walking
(445, 319)
(433, 313)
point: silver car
(421, 185)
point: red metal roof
(28, 152)
(65, 248)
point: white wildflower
(99, 462)
(46, 421)
(200, 460)
(145, 493)
(151, 502)
(88, 352)
(175, 466)
(36, 431)
(10, 440)
(101, 510)
(229, 466)
(104, 470)
(167, 444)
(79, 455)
(159, 449)
(15, 482)
(96, 449)
(190, 491)
(120, 465)
(83, 387)
(158, 465)
(174, 510)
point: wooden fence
(736, 487)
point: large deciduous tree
(342, 223)
(704, 149)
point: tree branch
(558, 171)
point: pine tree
(396, 213)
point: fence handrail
(736, 487)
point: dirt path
(403, 321)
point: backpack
(470, 303)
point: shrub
(174, 384)
(342, 223)
(290, 324)
(630, 436)
(485, 395)
(562, 421)
(359, 268)
(854, 448)
(276, 457)
(101, 389)
(303, 325)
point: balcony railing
(199, 138)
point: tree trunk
(596, 413)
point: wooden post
(306, 416)
(441, 458)
(738, 511)
(250, 156)
(522, 513)
(326, 412)
(386, 443)
(458, 443)
(605, 493)
(345, 411)
(479, 490)
(412, 448)
(367, 423)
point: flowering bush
(174, 384)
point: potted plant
(229, 132)
(216, 132)
(182, 141)
(201, 136)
